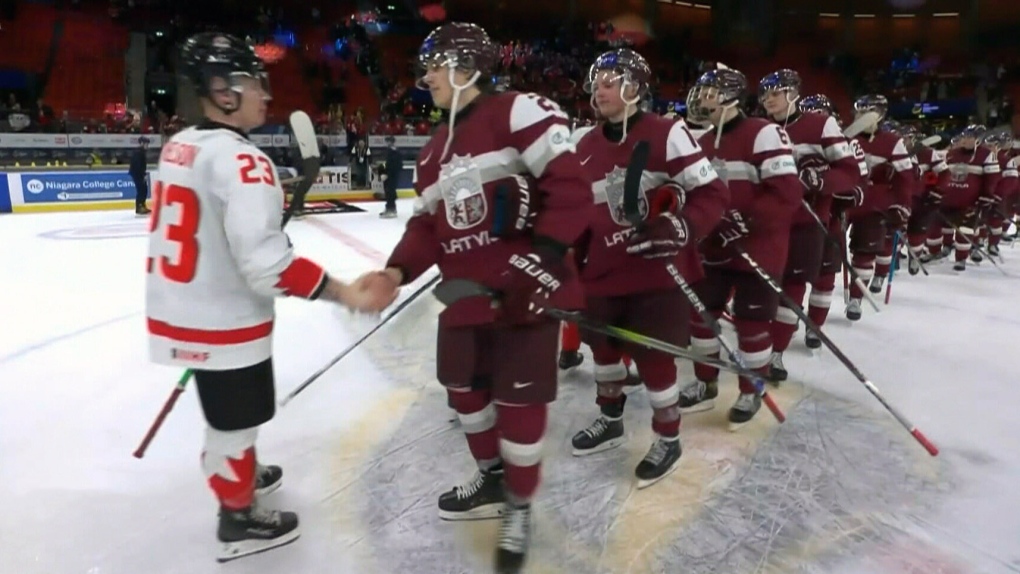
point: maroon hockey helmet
(459, 46)
(624, 64)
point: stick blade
(450, 291)
(304, 134)
(862, 123)
(931, 140)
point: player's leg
(803, 262)
(824, 285)
(662, 315)
(867, 240)
(754, 305)
(524, 382)
(570, 346)
(463, 366)
(235, 403)
(606, 431)
(714, 292)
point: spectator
(394, 164)
(138, 172)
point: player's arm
(418, 249)
(844, 171)
(991, 175)
(904, 178)
(782, 190)
(706, 196)
(539, 131)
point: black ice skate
(267, 479)
(976, 256)
(603, 434)
(914, 264)
(480, 499)
(812, 340)
(253, 530)
(877, 282)
(661, 460)
(993, 250)
(747, 405)
(698, 396)
(853, 310)
(570, 359)
(514, 538)
(960, 265)
(777, 371)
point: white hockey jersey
(217, 256)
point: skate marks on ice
(836, 484)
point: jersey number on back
(249, 164)
(182, 268)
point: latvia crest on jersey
(958, 172)
(614, 197)
(461, 184)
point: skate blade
(269, 489)
(705, 405)
(234, 550)
(485, 512)
(734, 427)
(608, 445)
(644, 483)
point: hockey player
(217, 258)
(755, 158)
(974, 174)
(822, 288)
(893, 224)
(827, 167)
(498, 365)
(625, 271)
(887, 197)
(1002, 143)
(933, 177)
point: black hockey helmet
(725, 86)
(211, 55)
(785, 80)
(872, 103)
(819, 104)
(459, 46)
(973, 131)
(625, 64)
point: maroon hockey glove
(812, 179)
(530, 279)
(732, 227)
(896, 216)
(663, 236)
(849, 199)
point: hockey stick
(631, 192)
(973, 244)
(862, 123)
(290, 396)
(452, 290)
(843, 254)
(308, 147)
(304, 134)
(931, 140)
(894, 264)
(913, 430)
(847, 268)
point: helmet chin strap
(791, 107)
(457, 89)
(627, 103)
(723, 108)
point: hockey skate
(698, 396)
(914, 264)
(268, 479)
(960, 265)
(993, 250)
(603, 434)
(853, 310)
(570, 359)
(480, 499)
(976, 256)
(777, 371)
(747, 405)
(812, 340)
(877, 282)
(661, 460)
(514, 538)
(388, 214)
(252, 530)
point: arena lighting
(703, 6)
(903, 15)
(688, 4)
(864, 15)
(946, 14)
(828, 15)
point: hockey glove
(812, 180)
(896, 216)
(933, 197)
(528, 282)
(663, 236)
(517, 206)
(849, 199)
(732, 227)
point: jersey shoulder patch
(529, 109)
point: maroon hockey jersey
(495, 137)
(755, 159)
(675, 156)
(1009, 184)
(892, 178)
(819, 143)
(934, 173)
(972, 173)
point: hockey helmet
(785, 80)
(726, 87)
(624, 64)
(459, 46)
(998, 138)
(972, 132)
(212, 55)
(819, 104)
(872, 103)
(891, 126)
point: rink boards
(55, 189)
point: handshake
(373, 292)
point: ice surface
(839, 489)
